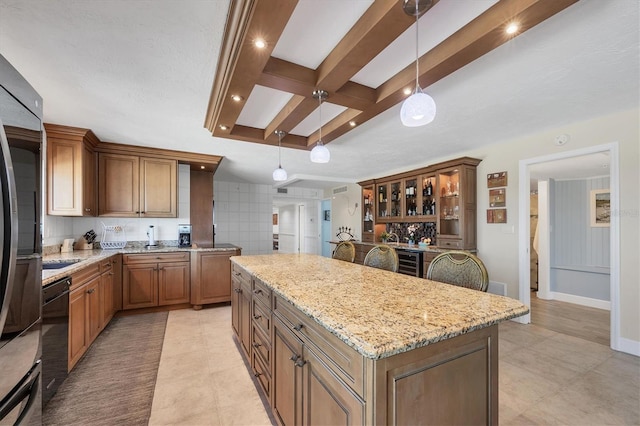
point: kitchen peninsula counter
(84, 258)
(378, 313)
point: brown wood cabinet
(71, 171)
(211, 277)
(133, 186)
(159, 279)
(443, 193)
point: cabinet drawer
(262, 293)
(262, 346)
(262, 374)
(450, 244)
(343, 360)
(262, 317)
(156, 257)
(106, 265)
(85, 274)
(240, 274)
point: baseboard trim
(497, 288)
(580, 300)
(628, 346)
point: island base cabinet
(448, 383)
(287, 376)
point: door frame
(614, 230)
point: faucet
(393, 234)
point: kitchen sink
(59, 265)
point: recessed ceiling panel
(442, 20)
(314, 29)
(310, 124)
(262, 106)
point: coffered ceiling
(360, 52)
(142, 72)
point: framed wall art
(497, 216)
(496, 180)
(600, 207)
(497, 197)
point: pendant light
(320, 153)
(279, 174)
(419, 108)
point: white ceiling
(140, 72)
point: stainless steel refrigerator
(20, 250)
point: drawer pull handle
(237, 290)
(237, 274)
(300, 363)
(258, 291)
(256, 374)
(256, 345)
(294, 357)
(91, 290)
(257, 317)
(298, 327)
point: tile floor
(545, 377)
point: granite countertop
(378, 313)
(84, 258)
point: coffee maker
(184, 235)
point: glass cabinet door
(382, 201)
(411, 207)
(449, 208)
(367, 210)
(429, 203)
(395, 204)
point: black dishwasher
(55, 335)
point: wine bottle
(429, 187)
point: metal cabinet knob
(294, 357)
(298, 327)
(256, 345)
(300, 363)
(258, 291)
(257, 317)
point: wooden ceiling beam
(240, 63)
(253, 134)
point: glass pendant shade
(279, 174)
(418, 109)
(320, 153)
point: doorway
(326, 228)
(544, 243)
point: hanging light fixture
(279, 174)
(320, 153)
(419, 108)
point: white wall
(344, 211)
(498, 243)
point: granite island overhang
(406, 349)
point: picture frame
(497, 197)
(496, 215)
(495, 180)
(327, 215)
(600, 208)
(275, 218)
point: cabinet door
(107, 292)
(173, 283)
(88, 182)
(287, 376)
(158, 187)
(368, 213)
(326, 399)
(139, 286)
(64, 177)
(449, 211)
(235, 305)
(211, 278)
(118, 185)
(94, 310)
(245, 320)
(78, 333)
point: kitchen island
(333, 342)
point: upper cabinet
(132, 186)
(71, 171)
(444, 194)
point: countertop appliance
(21, 138)
(55, 336)
(184, 235)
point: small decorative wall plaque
(495, 180)
(497, 197)
(600, 207)
(497, 216)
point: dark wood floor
(575, 320)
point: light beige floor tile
(179, 346)
(249, 411)
(523, 334)
(189, 364)
(231, 387)
(556, 371)
(186, 417)
(183, 392)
